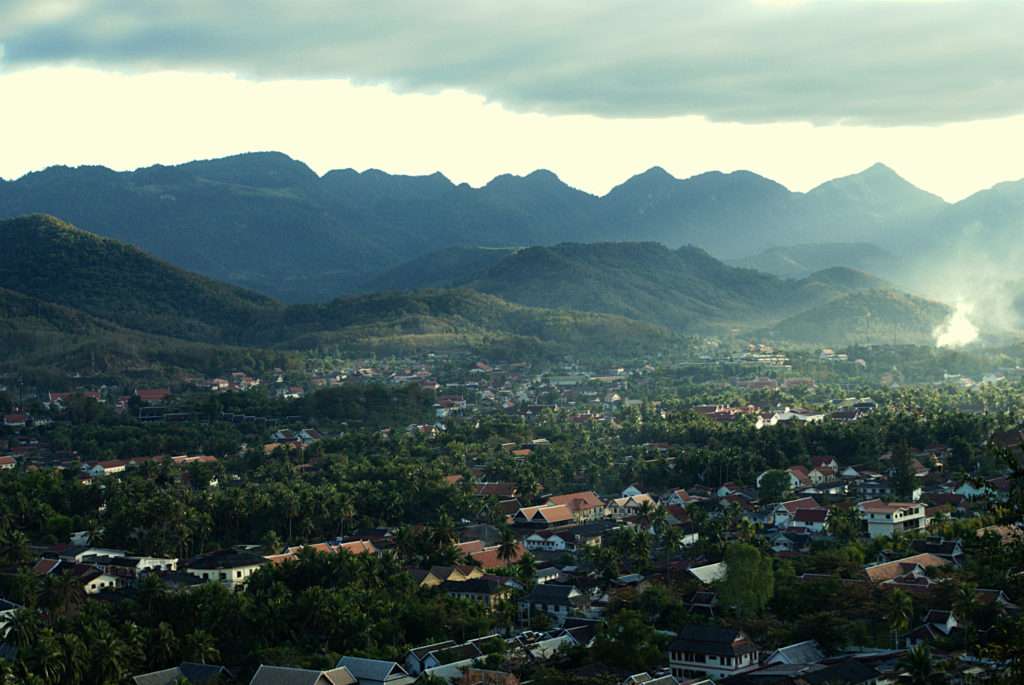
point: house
(806, 652)
(196, 674)
(679, 498)
(555, 600)
(584, 505)
(887, 519)
(479, 676)
(486, 590)
(903, 571)
(443, 655)
(375, 671)
(826, 462)
(702, 603)
(703, 651)
(950, 550)
(92, 579)
(882, 488)
(709, 573)
(7, 462)
(491, 557)
(569, 538)
(16, 420)
(105, 468)
(415, 657)
(543, 515)
(153, 395)
(813, 520)
(936, 625)
(279, 675)
(630, 505)
(791, 541)
(784, 513)
(228, 566)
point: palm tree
(964, 604)
(109, 654)
(508, 548)
(527, 567)
(919, 666)
(21, 628)
(76, 658)
(671, 541)
(45, 657)
(200, 646)
(64, 594)
(13, 547)
(900, 610)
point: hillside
(267, 222)
(70, 290)
(55, 262)
(685, 289)
(868, 317)
(438, 269)
(797, 261)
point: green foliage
(749, 581)
(774, 486)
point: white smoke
(957, 330)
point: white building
(887, 519)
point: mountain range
(71, 295)
(268, 223)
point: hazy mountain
(267, 222)
(438, 269)
(874, 206)
(797, 261)
(686, 289)
(872, 316)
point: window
(223, 575)
(238, 574)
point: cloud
(868, 62)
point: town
(752, 516)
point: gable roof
(585, 500)
(713, 640)
(374, 670)
(893, 569)
(283, 675)
(196, 674)
(795, 505)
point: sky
(597, 90)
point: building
(887, 519)
(702, 651)
(557, 601)
(227, 566)
(487, 590)
(584, 505)
(279, 675)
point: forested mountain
(797, 261)
(685, 289)
(872, 316)
(438, 269)
(267, 222)
(67, 291)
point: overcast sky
(800, 91)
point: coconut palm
(76, 658)
(508, 548)
(900, 610)
(918, 664)
(63, 594)
(201, 646)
